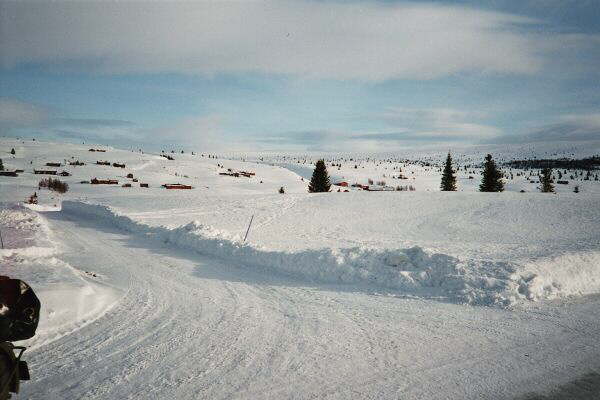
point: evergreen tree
(320, 179)
(1, 165)
(546, 181)
(448, 178)
(281, 190)
(12, 151)
(491, 180)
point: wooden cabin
(176, 186)
(235, 174)
(8, 173)
(96, 181)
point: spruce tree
(320, 179)
(1, 165)
(448, 178)
(546, 181)
(12, 151)
(491, 180)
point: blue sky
(301, 75)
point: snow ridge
(406, 272)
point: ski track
(191, 327)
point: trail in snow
(401, 271)
(190, 327)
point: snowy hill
(314, 265)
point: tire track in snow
(188, 327)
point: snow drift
(409, 272)
(69, 300)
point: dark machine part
(19, 310)
(19, 317)
(12, 369)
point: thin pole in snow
(1, 241)
(248, 230)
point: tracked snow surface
(152, 293)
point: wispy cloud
(16, 114)
(200, 132)
(21, 118)
(369, 41)
(435, 123)
(568, 128)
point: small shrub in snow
(281, 190)
(54, 184)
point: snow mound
(409, 272)
(69, 300)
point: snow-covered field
(152, 293)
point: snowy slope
(338, 295)
(71, 297)
(194, 327)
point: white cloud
(570, 127)
(17, 118)
(441, 123)
(17, 113)
(313, 39)
(200, 133)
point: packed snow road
(188, 326)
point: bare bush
(54, 184)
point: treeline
(562, 163)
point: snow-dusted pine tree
(546, 181)
(448, 178)
(491, 180)
(320, 179)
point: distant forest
(562, 163)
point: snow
(70, 300)
(408, 271)
(152, 293)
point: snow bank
(410, 272)
(69, 300)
